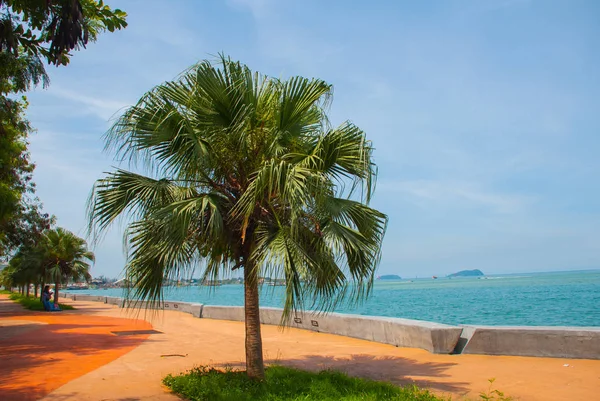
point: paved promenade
(98, 353)
(40, 352)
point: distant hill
(389, 277)
(467, 273)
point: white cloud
(447, 193)
(102, 108)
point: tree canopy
(64, 257)
(15, 168)
(33, 32)
(50, 29)
(59, 256)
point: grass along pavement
(34, 303)
(287, 384)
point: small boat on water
(434, 277)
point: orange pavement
(41, 351)
(182, 341)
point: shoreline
(555, 300)
(79, 293)
(437, 338)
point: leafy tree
(50, 29)
(21, 218)
(24, 269)
(60, 256)
(7, 278)
(65, 257)
(28, 226)
(15, 168)
(32, 32)
(244, 171)
(21, 73)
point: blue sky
(484, 114)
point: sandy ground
(182, 342)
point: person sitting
(46, 300)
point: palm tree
(65, 257)
(21, 273)
(243, 171)
(28, 266)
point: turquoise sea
(536, 299)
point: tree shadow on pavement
(39, 360)
(397, 370)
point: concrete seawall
(433, 337)
(557, 342)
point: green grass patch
(33, 303)
(5, 292)
(287, 384)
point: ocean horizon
(568, 298)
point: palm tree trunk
(255, 367)
(56, 286)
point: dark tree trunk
(35, 288)
(42, 289)
(56, 287)
(255, 366)
(28, 285)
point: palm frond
(126, 193)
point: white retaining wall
(558, 342)
(433, 337)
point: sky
(485, 116)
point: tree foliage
(33, 32)
(21, 218)
(50, 29)
(26, 227)
(15, 167)
(59, 257)
(65, 257)
(244, 171)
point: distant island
(389, 277)
(467, 273)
